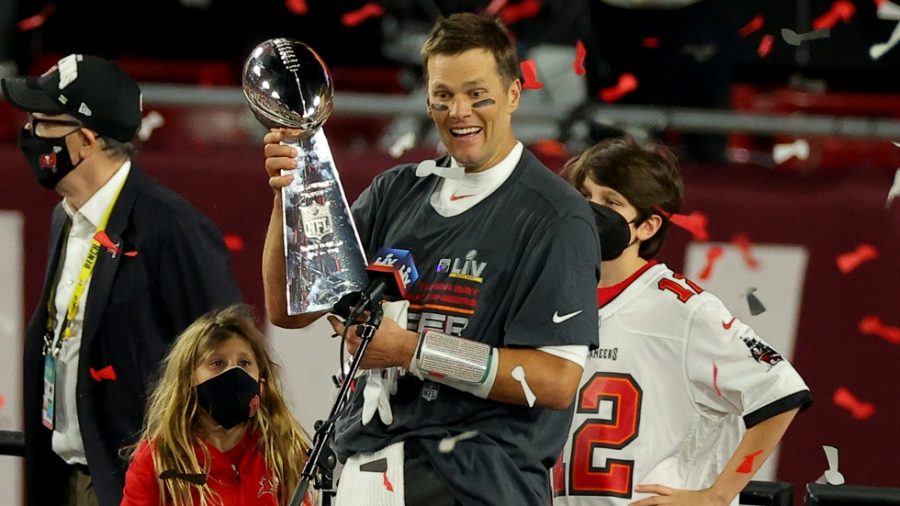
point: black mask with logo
(230, 398)
(48, 157)
(614, 231)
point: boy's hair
(464, 31)
(645, 175)
(172, 426)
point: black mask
(48, 157)
(230, 398)
(614, 231)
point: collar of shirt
(92, 210)
(455, 196)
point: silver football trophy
(287, 85)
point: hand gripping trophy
(287, 85)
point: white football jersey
(667, 396)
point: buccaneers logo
(48, 161)
(762, 352)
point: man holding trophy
(503, 315)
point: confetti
(518, 374)
(104, 240)
(755, 24)
(742, 243)
(858, 409)
(627, 84)
(873, 325)
(716, 379)
(529, 73)
(701, 53)
(2, 402)
(511, 14)
(580, 53)
(747, 464)
(841, 10)
(297, 7)
(765, 45)
(756, 305)
(793, 38)
(895, 189)
(387, 483)
(832, 476)
(850, 261)
(354, 18)
(784, 152)
(888, 11)
(494, 7)
(107, 373)
(38, 20)
(403, 144)
(695, 223)
(448, 443)
(149, 123)
(878, 50)
(712, 255)
(233, 242)
(650, 42)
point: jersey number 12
(616, 477)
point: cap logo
(68, 71)
(84, 109)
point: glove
(381, 384)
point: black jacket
(136, 306)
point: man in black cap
(130, 265)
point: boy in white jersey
(682, 403)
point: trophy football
(287, 85)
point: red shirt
(607, 294)
(239, 476)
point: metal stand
(321, 461)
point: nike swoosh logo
(727, 326)
(454, 197)
(559, 319)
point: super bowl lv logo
(468, 268)
(403, 269)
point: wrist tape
(463, 364)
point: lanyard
(87, 269)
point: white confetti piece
(518, 374)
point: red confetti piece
(747, 464)
(712, 255)
(550, 147)
(873, 325)
(36, 21)
(107, 373)
(858, 409)
(716, 379)
(529, 72)
(695, 223)
(2, 402)
(107, 243)
(233, 242)
(850, 261)
(650, 42)
(354, 18)
(765, 46)
(841, 10)
(879, 2)
(297, 7)
(627, 84)
(387, 483)
(742, 243)
(580, 53)
(755, 24)
(511, 14)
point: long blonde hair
(172, 426)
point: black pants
(421, 484)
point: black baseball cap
(93, 90)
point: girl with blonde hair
(217, 430)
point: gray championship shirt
(518, 270)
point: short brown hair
(464, 31)
(645, 175)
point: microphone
(390, 275)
